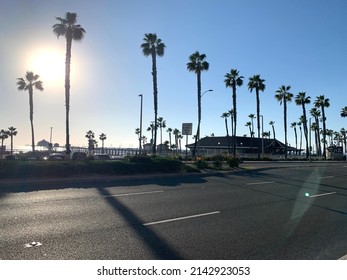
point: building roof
(221, 142)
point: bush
(217, 163)
(233, 162)
(201, 164)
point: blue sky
(298, 43)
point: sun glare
(49, 64)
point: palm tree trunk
(227, 131)
(67, 90)
(155, 96)
(31, 108)
(296, 141)
(197, 138)
(324, 134)
(285, 128)
(235, 120)
(258, 120)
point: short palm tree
(283, 95)
(197, 64)
(233, 80)
(3, 136)
(161, 124)
(322, 102)
(249, 125)
(102, 137)
(68, 28)
(301, 100)
(293, 125)
(90, 135)
(169, 130)
(30, 83)
(153, 46)
(316, 114)
(12, 131)
(257, 83)
(226, 116)
(272, 123)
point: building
(246, 147)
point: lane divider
(182, 218)
(322, 194)
(261, 183)
(129, 194)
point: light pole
(140, 139)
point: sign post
(187, 129)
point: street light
(206, 91)
(140, 138)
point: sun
(49, 64)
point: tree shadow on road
(158, 247)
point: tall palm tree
(153, 46)
(283, 95)
(257, 83)
(293, 125)
(3, 136)
(233, 80)
(226, 116)
(272, 123)
(169, 130)
(12, 131)
(316, 114)
(68, 28)
(300, 128)
(197, 64)
(314, 128)
(102, 137)
(322, 102)
(30, 82)
(301, 100)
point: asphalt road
(297, 211)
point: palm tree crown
(344, 112)
(30, 82)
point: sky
(298, 43)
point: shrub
(201, 164)
(217, 163)
(233, 161)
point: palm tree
(293, 125)
(316, 114)
(272, 123)
(257, 83)
(343, 133)
(161, 124)
(68, 28)
(231, 114)
(153, 46)
(344, 112)
(30, 82)
(3, 136)
(226, 116)
(233, 80)
(252, 117)
(90, 135)
(300, 128)
(302, 99)
(102, 137)
(249, 125)
(12, 131)
(151, 129)
(314, 128)
(169, 130)
(283, 95)
(197, 64)
(322, 102)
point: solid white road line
(181, 218)
(128, 194)
(325, 177)
(322, 194)
(260, 183)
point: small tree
(102, 137)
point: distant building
(43, 143)
(246, 147)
